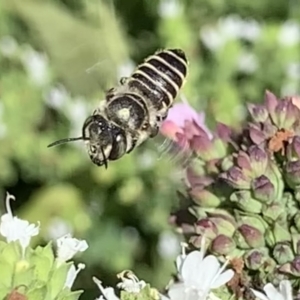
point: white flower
(8, 46)
(36, 65)
(72, 274)
(168, 245)
(212, 38)
(130, 283)
(247, 62)
(3, 126)
(289, 34)
(271, 293)
(15, 229)
(169, 8)
(57, 97)
(198, 276)
(57, 227)
(107, 293)
(67, 247)
(250, 30)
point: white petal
(208, 270)
(272, 292)
(191, 268)
(67, 247)
(108, 292)
(259, 295)
(72, 274)
(222, 279)
(285, 288)
(15, 229)
(177, 291)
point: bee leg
(134, 141)
(123, 80)
(110, 94)
(154, 131)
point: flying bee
(133, 111)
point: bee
(133, 111)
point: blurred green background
(58, 57)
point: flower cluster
(28, 273)
(244, 188)
(197, 276)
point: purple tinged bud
(254, 259)
(219, 148)
(258, 159)
(256, 134)
(274, 212)
(196, 241)
(204, 197)
(296, 243)
(203, 147)
(280, 114)
(277, 234)
(296, 265)
(292, 172)
(251, 220)
(271, 102)
(297, 221)
(195, 177)
(223, 245)
(224, 225)
(243, 161)
(263, 189)
(292, 268)
(293, 149)
(222, 214)
(258, 112)
(224, 132)
(283, 253)
(286, 113)
(292, 114)
(269, 129)
(236, 178)
(248, 237)
(206, 227)
(226, 163)
(245, 202)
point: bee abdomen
(162, 74)
(175, 58)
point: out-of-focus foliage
(57, 58)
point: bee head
(97, 135)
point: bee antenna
(67, 140)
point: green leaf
(7, 271)
(11, 253)
(23, 273)
(58, 279)
(42, 258)
(2, 245)
(3, 293)
(67, 295)
(37, 293)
